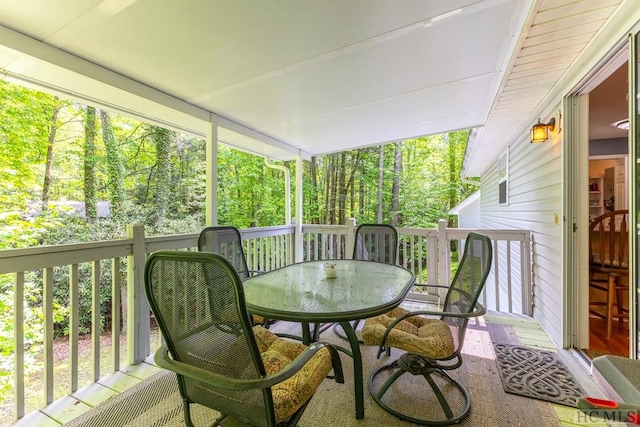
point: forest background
(73, 173)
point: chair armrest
(163, 359)
(478, 310)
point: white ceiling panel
(305, 76)
(315, 76)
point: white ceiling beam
(258, 136)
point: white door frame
(575, 201)
(576, 220)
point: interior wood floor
(617, 344)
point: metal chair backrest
(198, 301)
(609, 242)
(468, 281)
(376, 242)
(225, 241)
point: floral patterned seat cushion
(291, 394)
(416, 334)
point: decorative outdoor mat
(536, 373)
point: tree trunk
(453, 172)
(115, 168)
(162, 139)
(342, 188)
(90, 202)
(351, 182)
(362, 191)
(380, 181)
(48, 168)
(315, 218)
(395, 191)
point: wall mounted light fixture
(540, 131)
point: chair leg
(417, 365)
(187, 412)
(610, 295)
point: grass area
(34, 382)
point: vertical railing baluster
(18, 338)
(432, 260)
(47, 302)
(526, 267)
(331, 246)
(260, 253)
(95, 318)
(419, 255)
(315, 246)
(412, 250)
(74, 325)
(271, 252)
(496, 273)
(509, 292)
(251, 256)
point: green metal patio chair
(225, 240)
(245, 372)
(373, 242)
(433, 345)
(376, 242)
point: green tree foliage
(25, 117)
(156, 177)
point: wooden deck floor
(527, 330)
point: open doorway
(607, 192)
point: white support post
(443, 257)
(212, 172)
(138, 318)
(18, 339)
(47, 313)
(115, 312)
(298, 221)
(351, 238)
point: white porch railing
(426, 252)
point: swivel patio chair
(244, 372)
(432, 344)
(609, 266)
(226, 241)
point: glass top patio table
(302, 292)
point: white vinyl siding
(535, 196)
(469, 216)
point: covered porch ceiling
(306, 77)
